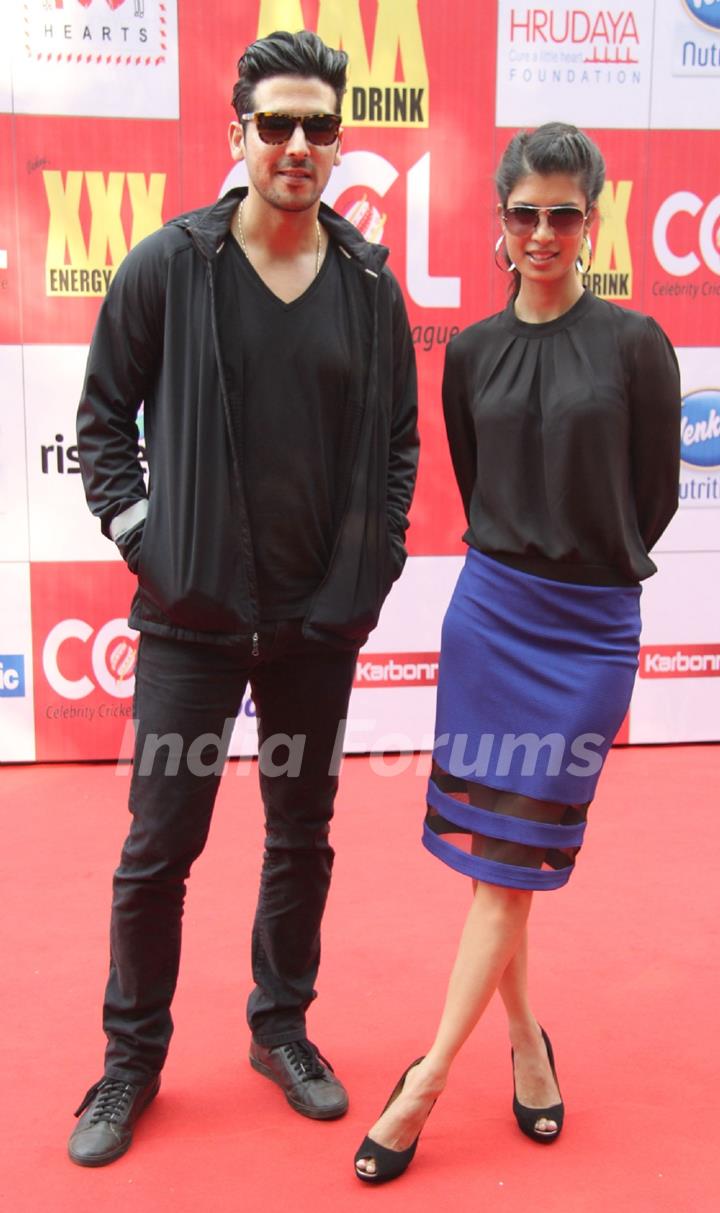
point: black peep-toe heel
(389, 1164)
(527, 1118)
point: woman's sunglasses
(564, 220)
(319, 129)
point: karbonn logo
(76, 266)
(376, 97)
(707, 12)
(700, 429)
(611, 276)
(675, 661)
(107, 656)
(397, 670)
(678, 252)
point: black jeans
(186, 698)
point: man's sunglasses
(319, 129)
(564, 220)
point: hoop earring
(509, 266)
(585, 269)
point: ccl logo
(682, 259)
(107, 654)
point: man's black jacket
(156, 341)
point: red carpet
(625, 973)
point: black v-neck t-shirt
(288, 365)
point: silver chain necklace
(243, 246)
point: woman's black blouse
(565, 440)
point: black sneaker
(307, 1079)
(111, 1108)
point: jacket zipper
(247, 554)
(363, 421)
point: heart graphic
(113, 4)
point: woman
(562, 415)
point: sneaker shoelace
(112, 1097)
(306, 1060)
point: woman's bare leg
(492, 933)
(534, 1082)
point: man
(272, 351)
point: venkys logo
(700, 429)
(707, 12)
(12, 676)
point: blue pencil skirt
(534, 682)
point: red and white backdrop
(112, 118)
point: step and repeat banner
(113, 118)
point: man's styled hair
(284, 54)
(555, 147)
